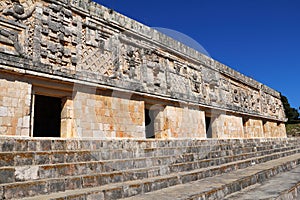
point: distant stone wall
(83, 43)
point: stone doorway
(208, 127)
(149, 123)
(47, 116)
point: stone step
(221, 185)
(279, 186)
(291, 193)
(161, 180)
(215, 187)
(186, 166)
(10, 144)
(167, 164)
(62, 156)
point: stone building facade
(73, 68)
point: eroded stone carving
(152, 62)
(132, 61)
(196, 81)
(59, 35)
(16, 10)
(255, 101)
(13, 26)
(11, 37)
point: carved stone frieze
(13, 38)
(196, 81)
(16, 10)
(59, 34)
(15, 26)
(255, 101)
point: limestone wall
(15, 101)
(227, 126)
(181, 122)
(274, 130)
(253, 128)
(100, 116)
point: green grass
(293, 130)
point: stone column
(253, 128)
(67, 119)
(226, 126)
(182, 122)
(15, 100)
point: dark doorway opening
(47, 116)
(245, 120)
(208, 127)
(149, 123)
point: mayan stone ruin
(97, 106)
(77, 69)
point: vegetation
(293, 123)
(293, 130)
(291, 113)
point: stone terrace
(141, 169)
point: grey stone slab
(272, 188)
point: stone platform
(141, 169)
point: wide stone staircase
(86, 169)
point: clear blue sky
(259, 38)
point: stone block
(57, 157)
(84, 156)
(70, 157)
(24, 159)
(45, 145)
(89, 181)
(33, 145)
(7, 175)
(6, 159)
(47, 172)
(42, 158)
(115, 193)
(73, 183)
(132, 190)
(56, 186)
(21, 145)
(7, 145)
(95, 195)
(26, 173)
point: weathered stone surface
(25, 190)
(26, 173)
(6, 159)
(107, 69)
(7, 175)
(145, 166)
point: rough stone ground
(192, 190)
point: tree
(291, 113)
